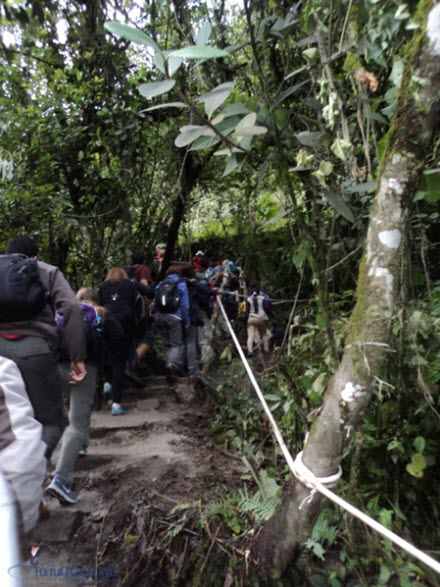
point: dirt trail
(161, 447)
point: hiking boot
(250, 354)
(62, 491)
(118, 411)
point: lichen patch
(433, 29)
(390, 238)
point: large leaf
(188, 137)
(231, 166)
(251, 131)
(341, 148)
(249, 120)
(203, 35)
(311, 139)
(130, 33)
(338, 203)
(195, 52)
(167, 105)
(204, 143)
(216, 97)
(156, 88)
(159, 61)
(287, 93)
(173, 65)
(234, 110)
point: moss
(352, 63)
(408, 109)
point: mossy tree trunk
(349, 391)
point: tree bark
(349, 391)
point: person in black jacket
(117, 294)
(198, 292)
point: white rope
(322, 484)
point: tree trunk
(349, 391)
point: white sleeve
(21, 447)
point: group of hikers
(53, 340)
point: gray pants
(76, 435)
(202, 336)
(170, 328)
(191, 350)
(39, 370)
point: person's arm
(145, 290)
(184, 303)
(74, 329)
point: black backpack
(140, 313)
(167, 299)
(22, 295)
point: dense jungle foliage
(255, 132)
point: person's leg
(118, 370)
(191, 350)
(202, 337)
(251, 333)
(176, 346)
(262, 330)
(77, 433)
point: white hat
(200, 254)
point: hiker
(171, 311)
(28, 334)
(158, 260)
(118, 294)
(138, 269)
(104, 333)
(140, 273)
(199, 260)
(22, 450)
(258, 309)
(205, 299)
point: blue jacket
(182, 312)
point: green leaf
(216, 97)
(196, 52)
(231, 166)
(369, 187)
(204, 34)
(167, 105)
(189, 136)
(419, 444)
(310, 139)
(234, 110)
(159, 61)
(341, 148)
(153, 89)
(173, 65)
(251, 131)
(338, 203)
(130, 33)
(311, 55)
(417, 466)
(204, 143)
(287, 93)
(248, 120)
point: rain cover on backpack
(167, 298)
(22, 295)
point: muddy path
(155, 460)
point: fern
(263, 503)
